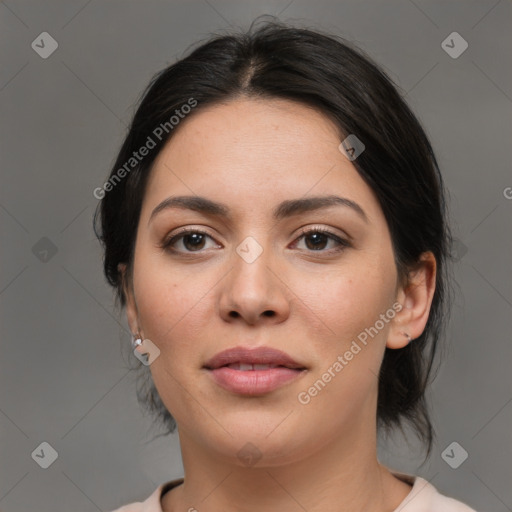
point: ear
(415, 296)
(132, 314)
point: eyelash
(343, 244)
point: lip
(259, 355)
(256, 381)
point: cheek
(349, 357)
(351, 298)
(350, 302)
(167, 300)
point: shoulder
(153, 503)
(424, 497)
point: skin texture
(251, 155)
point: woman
(275, 227)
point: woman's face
(252, 279)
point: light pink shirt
(422, 498)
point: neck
(342, 475)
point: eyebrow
(283, 210)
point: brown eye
(190, 240)
(317, 239)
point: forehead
(261, 125)
(255, 150)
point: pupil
(318, 241)
(196, 239)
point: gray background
(63, 378)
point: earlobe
(407, 336)
(400, 339)
(416, 299)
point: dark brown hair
(328, 73)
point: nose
(254, 292)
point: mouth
(252, 359)
(246, 367)
(253, 371)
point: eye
(317, 238)
(192, 239)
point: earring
(136, 341)
(407, 335)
